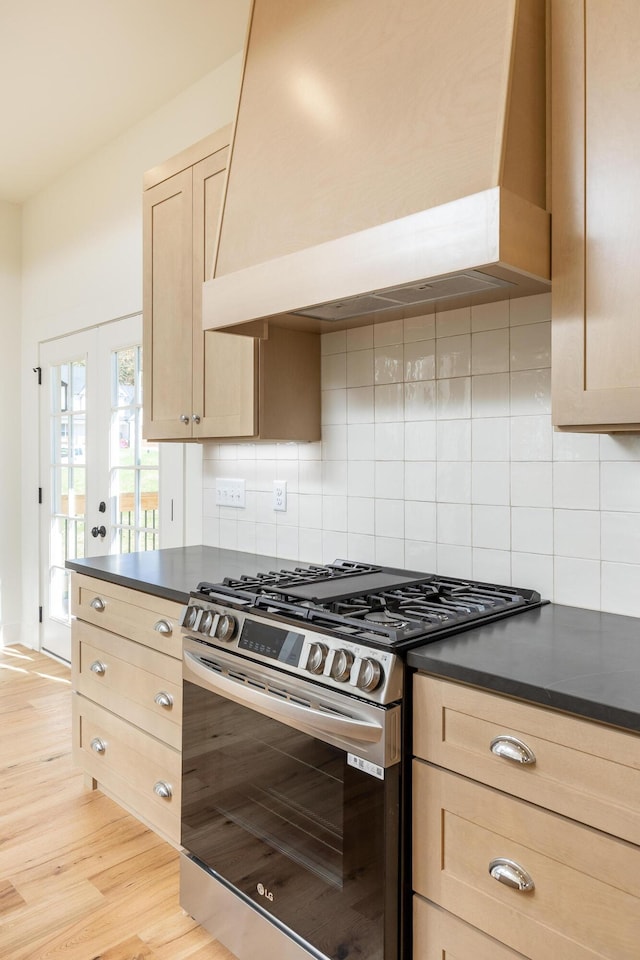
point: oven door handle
(296, 715)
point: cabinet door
(596, 214)
(167, 308)
(224, 365)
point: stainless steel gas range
(295, 726)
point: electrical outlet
(279, 494)
(230, 493)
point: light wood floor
(80, 879)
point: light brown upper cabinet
(596, 215)
(211, 385)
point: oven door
(290, 793)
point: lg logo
(262, 890)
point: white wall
(82, 256)
(10, 433)
(438, 454)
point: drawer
(582, 769)
(586, 900)
(130, 766)
(438, 935)
(130, 613)
(129, 679)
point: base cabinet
(439, 935)
(538, 859)
(127, 698)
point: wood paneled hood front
(386, 158)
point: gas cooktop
(380, 605)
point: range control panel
(375, 675)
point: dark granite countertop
(174, 572)
(569, 658)
(581, 661)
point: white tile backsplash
(388, 333)
(576, 533)
(490, 395)
(361, 478)
(490, 316)
(620, 537)
(420, 480)
(454, 523)
(621, 588)
(490, 482)
(420, 328)
(389, 363)
(438, 454)
(453, 440)
(389, 518)
(530, 346)
(420, 360)
(361, 441)
(453, 357)
(360, 368)
(389, 479)
(389, 402)
(389, 441)
(490, 352)
(453, 398)
(360, 338)
(452, 323)
(420, 400)
(577, 582)
(532, 483)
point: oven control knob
(205, 621)
(227, 626)
(317, 656)
(190, 616)
(369, 675)
(341, 666)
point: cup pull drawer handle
(98, 745)
(163, 699)
(163, 627)
(512, 749)
(98, 604)
(512, 874)
(98, 667)
(163, 789)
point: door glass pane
(67, 430)
(134, 462)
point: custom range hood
(388, 159)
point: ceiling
(74, 74)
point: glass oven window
(282, 816)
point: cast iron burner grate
(395, 607)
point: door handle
(99, 531)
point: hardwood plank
(79, 876)
(9, 897)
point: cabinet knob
(163, 699)
(195, 417)
(184, 418)
(163, 789)
(98, 604)
(512, 874)
(98, 745)
(510, 748)
(163, 627)
(98, 667)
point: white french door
(100, 479)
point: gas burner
(385, 616)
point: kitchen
(553, 511)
